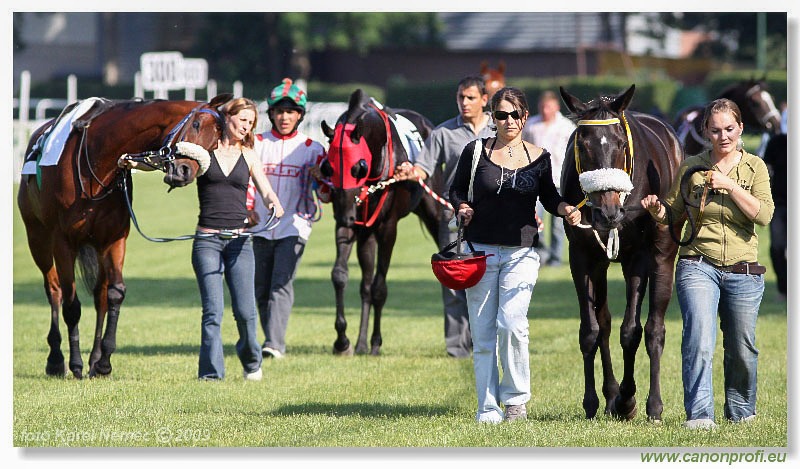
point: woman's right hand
(465, 214)
(652, 205)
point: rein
(611, 247)
(694, 225)
(223, 234)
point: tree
(732, 36)
(269, 46)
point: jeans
(212, 259)
(457, 337)
(498, 315)
(276, 266)
(703, 292)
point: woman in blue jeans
(718, 272)
(498, 209)
(220, 250)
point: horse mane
(596, 109)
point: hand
(465, 213)
(405, 171)
(252, 218)
(573, 215)
(717, 180)
(276, 207)
(315, 172)
(652, 205)
(125, 163)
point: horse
(614, 158)
(366, 145)
(495, 78)
(78, 209)
(758, 114)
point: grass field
(413, 395)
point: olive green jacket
(726, 235)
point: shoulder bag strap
(476, 155)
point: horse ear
(621, 102)
(327, 130)
(501, 67)
(355, 135)
(575, 105)
(484, 67)
(220, 99)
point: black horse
(615, 157)
(759, 114)
(367, 144)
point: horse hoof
(626, 411)
(99, 372)
(348, 352)
(590, 406)
(654, 421)
(55, 370)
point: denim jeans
(214, 258)
(498, 316)
(276, 266)
(703, 293)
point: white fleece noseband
(197, 153)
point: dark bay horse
(77, 209)
(759, 114)
(614, 158)
(366, 146)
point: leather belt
(751, 268)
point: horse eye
(196, 125)
(359, 170)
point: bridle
(604, 179)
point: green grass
(410, 396)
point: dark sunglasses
(503, 115)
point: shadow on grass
(361, 409)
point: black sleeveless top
(223, 198)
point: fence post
(72, 89)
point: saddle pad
(54, 145)
(411, 139)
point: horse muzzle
(180, 173)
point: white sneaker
(254, 376)
(702, 424)
(269, 352)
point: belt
(223, 233)
(751, 268)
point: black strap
(694, 229)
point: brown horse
(615, 158)
(366, 146)
(77, 209)
(495, 78)
(759, 114)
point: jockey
(290, 161)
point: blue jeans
(214, 258)
(276, 267)
(703, 292)
(498, 317)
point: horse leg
(339, 276)
(630, 336)
(109, 295)
(662, 277)
(367, 244)
(603, 316)
(380, 292)
(65, 265)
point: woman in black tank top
(222, 193)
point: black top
(504, 215)
(223, 198)
(775, 156)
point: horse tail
(89, 267)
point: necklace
(511, 148)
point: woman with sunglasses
(499, 218)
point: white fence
(24, 125)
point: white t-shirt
(286, 162)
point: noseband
(765, 97)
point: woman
(289, 159)
(500, 219)
(718, 272)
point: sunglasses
(503, 115)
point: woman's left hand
(573, 215)
(717, 180)
(276, 207)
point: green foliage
(412, 396)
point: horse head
(201, 128)
(355, 156)
(603, 154)
(756, 103)
(494, 78)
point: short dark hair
(473, 80)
